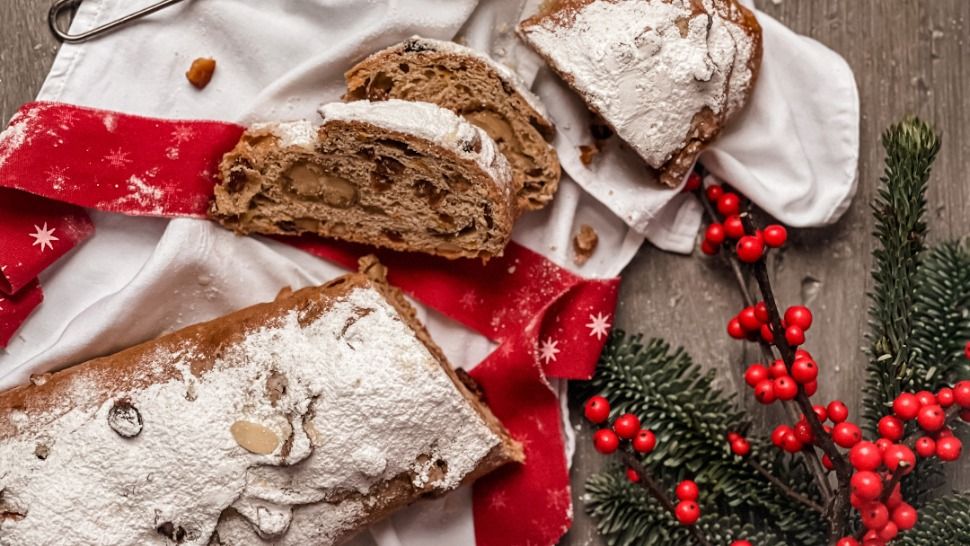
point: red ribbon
(547, 321)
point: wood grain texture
(908, 56)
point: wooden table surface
(908, 57)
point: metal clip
(61, 5)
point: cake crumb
(587, 152)
(584, 244)
(200, 72)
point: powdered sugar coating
(300, 133)
(649, 66)
(432, 123)
(363, 402)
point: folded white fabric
(279, 59)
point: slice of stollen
(403, 175)
(665, 75)
(484, 92)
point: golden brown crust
(707, 125)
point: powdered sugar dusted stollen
(666, 75)
(484, 92)
(399, 174)
(327, 401)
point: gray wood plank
(908, 56)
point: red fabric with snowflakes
(547, 321)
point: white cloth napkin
(278, 59)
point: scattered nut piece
(124, 419)
(584, 244)
(254, 437)
(587, 153)
(276, 384)
(42, 450)
(200, 72)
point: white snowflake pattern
(548, 350)
(498, 500)
(66, 118)
(43, 237)
(468, 300)
(182, 133)
(599, 325)
(56, 176)
(117, 158)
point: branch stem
(785, 488)
(652, 487)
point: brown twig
(817, 470)
(648, 483)
(785, 488)
(840, 517)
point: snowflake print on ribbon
(598, 325)
(117, 158)
(548, 350)
(43, 237)
(56, 177)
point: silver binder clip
(60, 5)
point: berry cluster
(625, 427)
(749, 248)
(754, 323)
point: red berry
(799, 315)
(906, 406)
(949, 448)
(827, 462)
(729, 203)
(714, 192)
(734, 227)
(837, 411)
(777, 369)
(944, 432)
(778, 435)
(626, 426)
(803, 431)
(756, 373)
(597, 409)
(820, 412)
(847, 541)
(810, 388)
(899, 455)
(931, 418)
(925, 447)
(645, 441)
(748, 320)
(766, 335)
(944, 397)
(888, 531)
(687, 512)
(792, 444)
(693, 182)
(741, 543)
(687, 491)
(965, 415)
(750, 249)
(866, 484)
(708, 248)
(904, 516)
(891, 427)
(740, 447)
(802, 353)
(761, 312)
(785, 388)
(846, 434)
(764, 391)
(855, 501)
(883, 444)
(804, 370)
(732, 436)
(735, 330)
(632, 475)
(775, 235)
(874, 515)
(926, 398)
(605, 441)
(865, 456)
(714, 234)
(794, 335)
(961, 394)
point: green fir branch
(900, 228)
(945, 520)
(691, 419)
